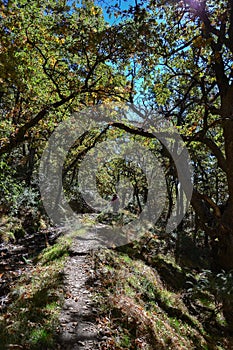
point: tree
(188, 72)
(186, 69)
(54, 58)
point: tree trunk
(228, 310)
(219, 227)
(224, 257)
(225, 233)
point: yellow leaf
(93, 10)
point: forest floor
(70, 292)
(47, 292)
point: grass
(141, 298)
(143, 312)
(31, 319)
(56, 251)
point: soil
(79, 328)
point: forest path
(78, 319)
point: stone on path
(78, 324)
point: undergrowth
(144, 312)
(31, 320)
(147, 301)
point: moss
(55, 252)
(39, 338)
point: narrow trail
(78, 319)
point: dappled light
(116, 175)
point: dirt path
(78, 319)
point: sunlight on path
(78, 324)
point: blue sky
(123, 4)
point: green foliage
(26, 199)
(218, 285)
(40, 337)
(52, 54)
(55, 252)
(176, 56)
(9, 188)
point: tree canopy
(172, 58)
